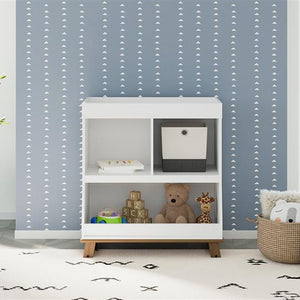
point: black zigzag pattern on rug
(80, 298)
(150, 266)
(285, 295)
(99, 262)
(106, 279)
(149, 288)
(231, 284)
(32, 288)
(1, 270)
(256, 262)
(288, 277)
(114, 298)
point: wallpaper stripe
(64, 109)
(180, 48)
(28, 144)
(216, 48)
(122, 49)
(233, 67)
(157, 49)
(104, 52)
(198, 49)
(46, 140)
(81, 89)
(274, 96)
(70, 49)
(140, 47)
(257, 99)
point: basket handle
(252, 220)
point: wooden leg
(214, 250)
(89, 249)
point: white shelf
(148, 107)
(152, 231)
(210, 176)
(130, 128)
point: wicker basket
(279, 241)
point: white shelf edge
(152, 231)
(76, 234)
(211, 176)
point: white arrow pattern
(274, 96)
(157, 49)
(28, 118)
(46, 140)
(64, 121)
(122, 49)
(216, 47)
(180, 48)
(198, 49)
(104, 51)
(256, 107)
(233, 114)
(81, 86)
(140, 48)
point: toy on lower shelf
(135, 211)
(176, 209)
(108, 216)
(205, 201)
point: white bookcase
(129, 128)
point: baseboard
(240, 234)
(7, 215)
(47, 234)
(76, 234)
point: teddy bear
(286, 212)
(176, 210)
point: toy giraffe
(205, 201)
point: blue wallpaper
(68, 50)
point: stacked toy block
(135, 211)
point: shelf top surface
(210, 176)
(151, 100)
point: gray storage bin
(184, 146)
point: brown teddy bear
(176, 210)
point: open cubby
(110, 195)
(122, 139)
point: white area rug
(145, 274)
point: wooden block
(135, 195)
(142, 213)
(130, 220)
(139, 213)
(139, 204)
(134, 220)
(133, 213)
(126, 211)
(129, 203)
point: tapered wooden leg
(214, 250)
(89, 249)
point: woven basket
(279, 241)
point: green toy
(109, 216)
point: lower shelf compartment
(152, 231)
